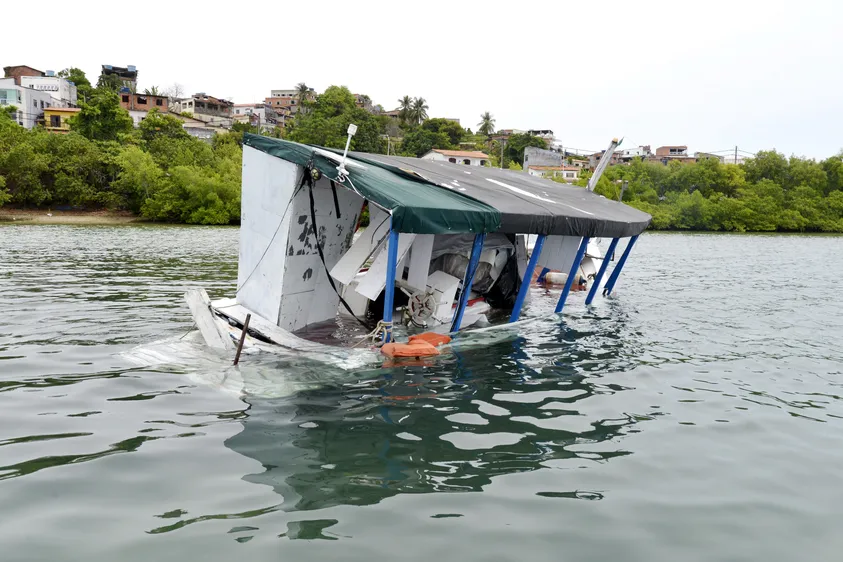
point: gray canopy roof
(527, 204)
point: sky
(711, 75)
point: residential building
(671, 153)
(287, 101)
(626, 155)
(594, 159)
(257, 114)
(19, 71)
(467, 157)
(205, 108)
(732, 159)
(569, 173)
(545, 134)
(61, 90)
(363, 101)
(56, 118)
(30, 103)
(705, 155)
(128, 75)
(196, 128)
(139, 105)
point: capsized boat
(448, 247)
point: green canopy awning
(417, 205)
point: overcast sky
(712, 75)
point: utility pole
(736, 155)
(503, 144)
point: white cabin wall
(559, 252)
(308, 297)
(268, 185)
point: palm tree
(486, 124)
(303, 93)
(419, 111)
(405, 107)
(153, 91)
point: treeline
(161, 173)
(325, 120)
(157, 171)
(767, 193)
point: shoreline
(46, 216)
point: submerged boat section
(446, 245)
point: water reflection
(452, 425)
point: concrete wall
(142, 102)
(539, 157)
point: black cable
(309, 180)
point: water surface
(695, 415)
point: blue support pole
(544, 272)
(603, 267)
(389, 295)
(571, 274)
(473, 262)
(528, 278)
(610, 284)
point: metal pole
(503, 144)
(610, 284)
(528, 278)
(389, 295)
(570, 280)
(544, 272)
(603, 267)
(242, 339)
(473, 262)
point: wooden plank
(200, 308)
(420, 261)
(375, 279)
(369, 240)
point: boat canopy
(433, 197)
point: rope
(382, 329)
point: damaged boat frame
(300, 263)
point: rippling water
(696, 415)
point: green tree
(486, 126)
(83, 85)
(418, 112)
(158, 124)
(405, 108)
(419, 141)
(516, 144)
(101, 117)
(153, 91)
(303, 95)
(451, 128)
(109, 82)
(327, 122)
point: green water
(695, 415)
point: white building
(630, 153)
(568, 173)
(30, 103)
(62, 91)
(258, 113)
(467, 157)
